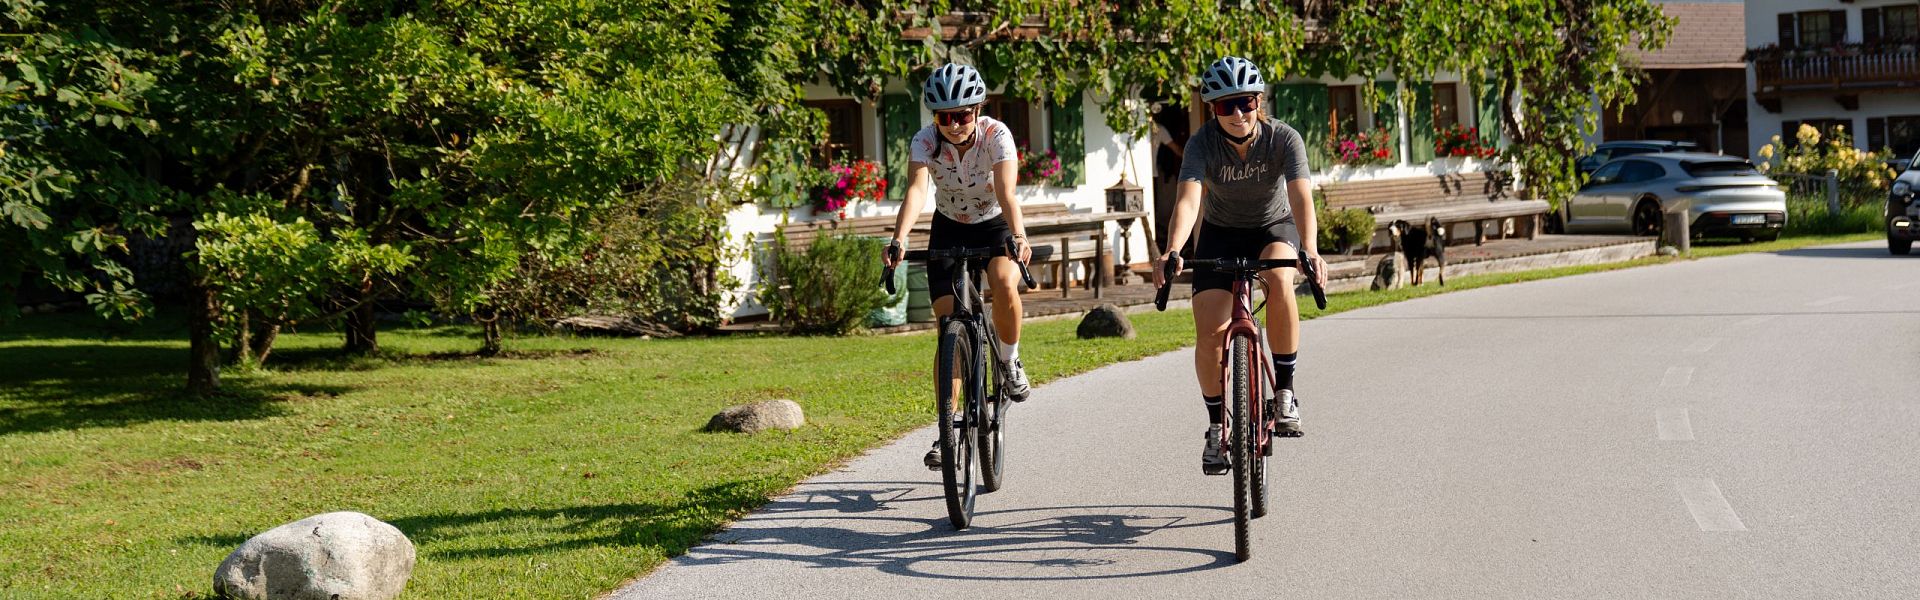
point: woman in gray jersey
(1250, 175)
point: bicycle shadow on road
(840, 525)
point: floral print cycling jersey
(963, 183)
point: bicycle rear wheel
(1241, 395)
(954, 379)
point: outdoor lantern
(1125, 197)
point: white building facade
(1836, 65)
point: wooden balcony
(1843, 77)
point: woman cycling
(969, 159)
(1250, 174)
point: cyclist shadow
(839, 525)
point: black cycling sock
(1283, 370)
(1216, 409)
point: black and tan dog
(1416, 244)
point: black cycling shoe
(932, 459)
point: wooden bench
(1477, 198)
(1053, 251)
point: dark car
(1903, 210)
(1607, 151)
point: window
(1013, 112)
(1901, 134)
(1719, 168)
(1635, 171)
(1345, 116)
(846, 132)
(1890, 24)
(1607, 174)
(1446, 105)
(1813, 29)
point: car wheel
(1897, 246)
(1646, 218)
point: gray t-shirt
(1245, 193)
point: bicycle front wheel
(955, 378)
(1240, 393)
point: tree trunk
(360, 325)
(490, 331)
(203, 353)
(262, 343)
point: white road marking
(1702, 345)
(1709, 508)
(1833, 300)
(1674, 425)
(1756, 320)
(1677, 377)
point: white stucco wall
(1763, 28)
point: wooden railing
(1864, 70)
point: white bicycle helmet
(1229, 76)
(953, 86)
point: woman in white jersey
(971, 163)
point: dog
(1386, 273)
(1416, 244)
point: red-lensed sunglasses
(949, 119)
(1232, 106)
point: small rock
(47, 308)
(759, 416)
(335, 556)
(26, 310)
(1669, 251)
(1105, 320)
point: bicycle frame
(1245, 323)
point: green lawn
(557, 472)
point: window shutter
(1787, 30)
(899, 120)
(1876, 134)
(1304, 106)
(1870, 25)
(1069, 139)
(1487, 105)
(1387, 116)
(1837, 23)
(1420, 123)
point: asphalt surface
(1739, 427)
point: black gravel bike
(1246, 367)
(971, 405)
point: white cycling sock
(1009, 352)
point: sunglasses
(949, 119)
(1233, 106)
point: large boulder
(1105, 320)
(759, 416)
(335, 556)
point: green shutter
(1488, 105)
(1069, 140)
(1420, 123)
(1305, 106)
(1387, 116)
(899, 120)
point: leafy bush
(659, 258)
(1864, 176)
(1343, 229)
(827, 289)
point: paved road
(1742, 427)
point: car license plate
(1749, 219)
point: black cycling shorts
(948, 233)
(1226, 242)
